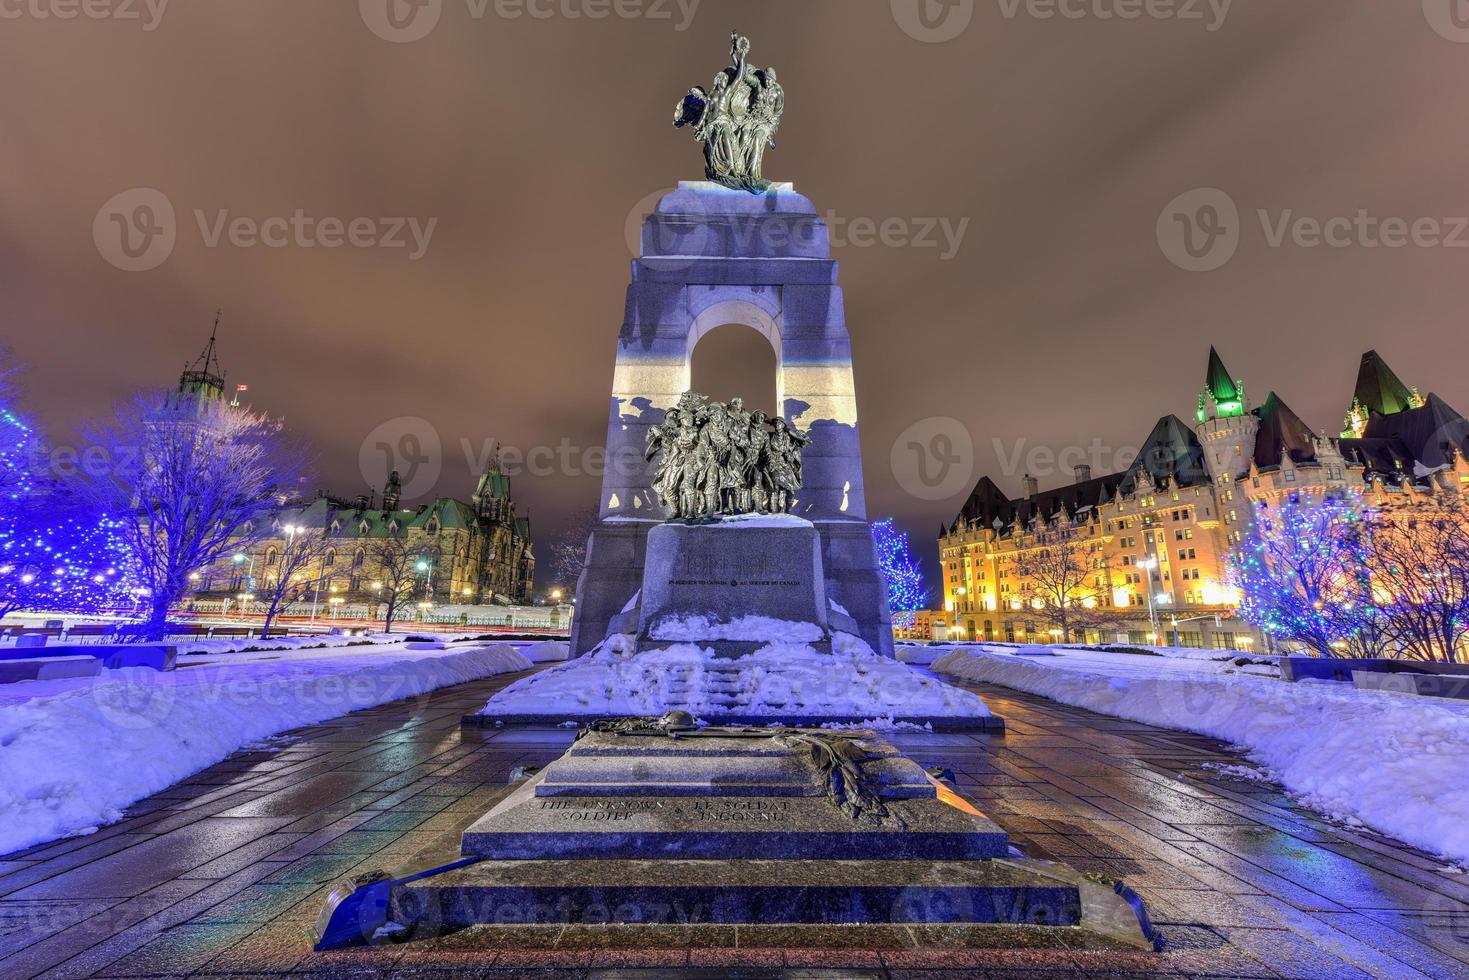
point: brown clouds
(1059, 140)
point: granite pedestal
(733, 586)
(728, 827)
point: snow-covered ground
(1395, 763)
(782, 679)
(75, 753)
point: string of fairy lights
(900, 571)
(1302, 571)
(53, 556)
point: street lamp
(241, 558)
(1148, 564)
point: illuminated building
(1158, 536)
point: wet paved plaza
(224, 874)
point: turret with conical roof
(1226, 426)
(1223, 396)
(1379, 391)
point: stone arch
(742, 313)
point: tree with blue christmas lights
(1303, 572)
(900, 572)
(54, 555)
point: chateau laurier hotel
(1159, 535)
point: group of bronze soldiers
(720, 459)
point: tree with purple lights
(192, 479)
(1303, 573)
(900, 572)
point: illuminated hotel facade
(1157, 538)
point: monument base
(732, 622)
(646, 822)
(617, 553)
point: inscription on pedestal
(723, 573)
(720, 811)
(758, 569)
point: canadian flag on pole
(242, 388)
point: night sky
(1053, 144)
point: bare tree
(568, 552)
(191, 479)
(1419, 566)
(297, 571)
(1062, 577)
(402, 573)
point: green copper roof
(1379, 390)
(1221, 387)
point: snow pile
(323, 641)
(545, 651)
(1393, 762)
(71, 762)
(766, 520)
(695, 628)
(921, 654)
(780, 680)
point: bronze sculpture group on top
(719, 459)
(735, 120)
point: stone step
(714, 776)
(736, 892)
(525, 826)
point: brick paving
(223, 875)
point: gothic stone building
(1164, 529)
(475, 553)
